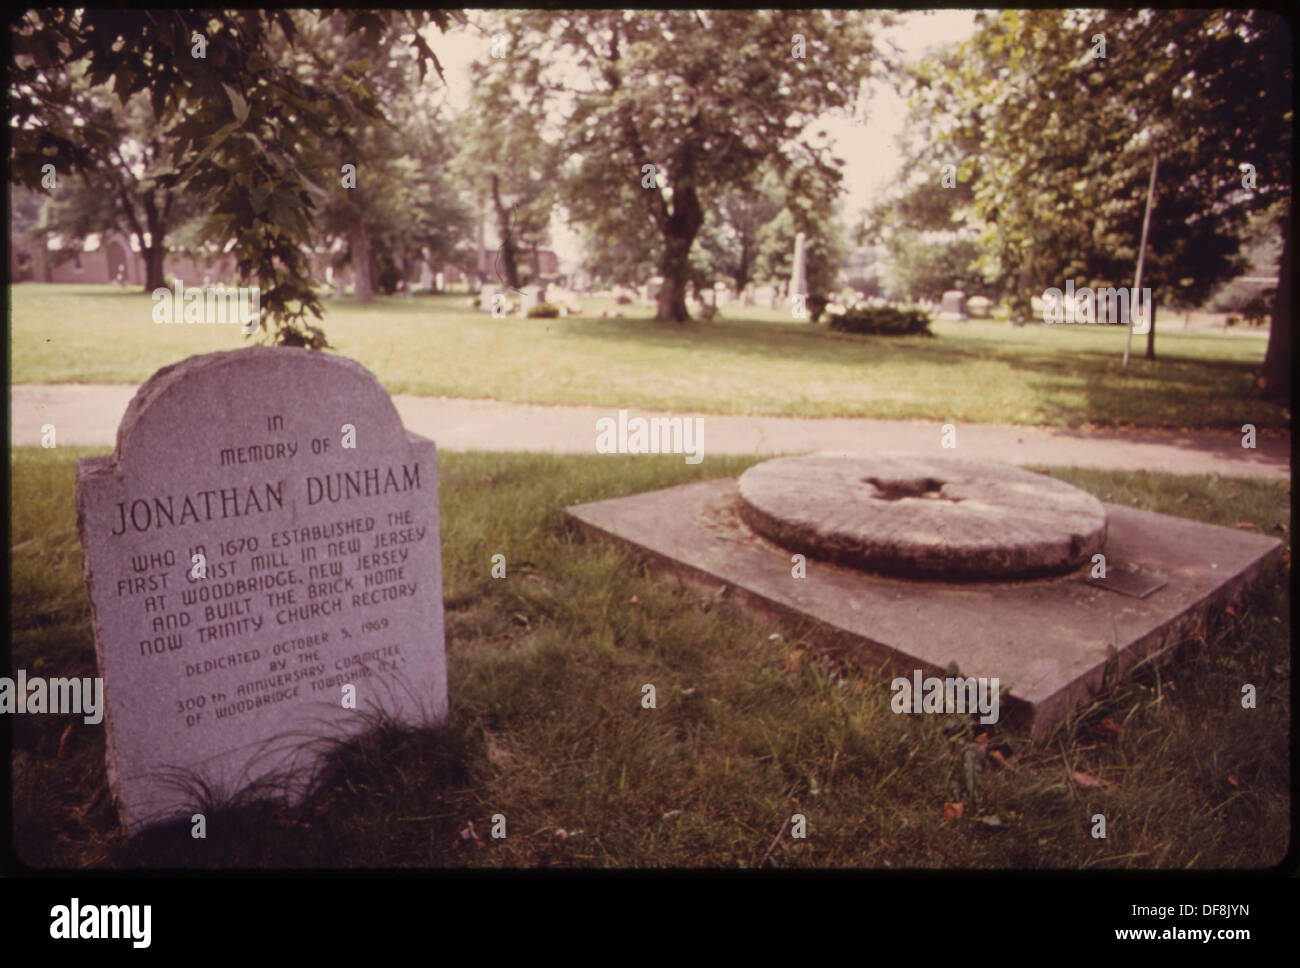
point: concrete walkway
(88, 415)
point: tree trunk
(1151, 333)
(507, 250)
(155, 275)
(408, 269)
(679, 234)
(361, 258)
(1275, 378)
(674, 267)
(1022, 303)
(741, 276)
(153, 267)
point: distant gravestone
(531, 298)
(953, 306)
(338, 287)
(485, 293)
(316, 516)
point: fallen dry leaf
(634, 600)
(953, 811)
(1086, 780)
(1109, 725)
(63, 740)
(997, 757)
(489, 479)
(982, 741)
(794, 660)
(1233, 780)
(1232, 610)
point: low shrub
(882, 321)
(1259, 309)
(544, 310)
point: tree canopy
(247, 138)
(1057, 117)
(666, 111)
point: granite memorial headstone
(263, 541)
(953, 306)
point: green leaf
(221, 135)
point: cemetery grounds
(754, 719)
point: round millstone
(923, 517)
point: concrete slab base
(1046, 640)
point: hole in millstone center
(896, 489)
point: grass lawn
(765, 363)
(546, 724)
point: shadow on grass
(1153, 396)
(764, 340)
(356, 812)
(1096, 389)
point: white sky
(870, 151)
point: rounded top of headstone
(208, 398)
(923, 517)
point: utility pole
(1142, 251)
